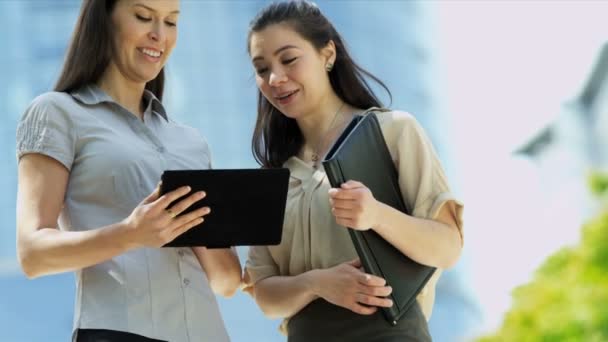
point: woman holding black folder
(309, 90)
(91, 154)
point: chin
(148, 77)
(291, 112)
(148, 74)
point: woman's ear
(328, 52)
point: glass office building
(211, 87)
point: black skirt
(103, 335)
(323, 321)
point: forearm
(222, 267)
(428, 242)
(49, 250)
(284, 296)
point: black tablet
(247, 206)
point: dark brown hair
(91, 49)
(277, 137)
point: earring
(329, 66)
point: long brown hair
(91, 49)
(277, 137)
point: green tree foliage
(598, 183)
(567, 299)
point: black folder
(361, 154)
(247, 206)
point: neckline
(324, 155)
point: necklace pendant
(315, 157)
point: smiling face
(145, 32)
(290, 72)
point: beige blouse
(311, 237)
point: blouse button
(186, 281)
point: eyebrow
(152, 9)
(279, 50)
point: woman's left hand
(354, 206)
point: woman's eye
(290, 60)
(142, 18)
(261, 71)
(170, 23)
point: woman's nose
(157, 33)
(276, 78)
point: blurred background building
(578, 135)
(209, 71)
(509, 77)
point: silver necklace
(316, 153)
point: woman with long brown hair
(309, 90)
(91, 154)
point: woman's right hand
(155, 221)
(347, 286)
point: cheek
(169, 45)
(305, 76)
(125, 40)
(128, 31)
(319, 81)
(120, 54)
(171, 39)
(262, 85)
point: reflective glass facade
(211, 87)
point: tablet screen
(247, 206)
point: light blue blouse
(115, 160)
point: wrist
(381, 215)
(311, 282)
(123, 235)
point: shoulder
(52, 99)
(187, 130)
(396, 123)
(51, 104)
(51, 107)
(397, 118)
(189, 134)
